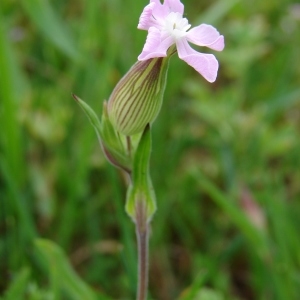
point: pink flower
(166, 27)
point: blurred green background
(225, 162)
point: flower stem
(128, 141)
(142, 235)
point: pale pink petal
(145, 18)
(218, 44)
(155, 13)
(174, 6)
(160, 11)
(156, 45)
(206, 64)
(206, 35)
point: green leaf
(9, 83)
(141, 188)
(93, 118)
(109, 139)
(208, 294)
(12, 162)
(18, 287)
(48, 22)
(62, 275)
(256, 237)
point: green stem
(128, 145)
(142, 234)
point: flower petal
(160, 11)
(206, 35)
(156, 45)
(206, 64)
(145, 18)
(174, 6)
(157, 2)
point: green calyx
(137, 98)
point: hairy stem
(142, 235)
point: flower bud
(137, 98)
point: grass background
(225, 162)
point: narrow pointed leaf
(109, 139)
(141, 188)
(93, 118)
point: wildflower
(166, 27)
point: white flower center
(176, 25)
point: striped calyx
(137, 98)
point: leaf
(12, 162)
(90, 114)
(18, 287)
(141, 189)
(62, 275)
(48, 22)
(9, 83)
(108, 137)
(208, 294)
(202, 294)
(256, 238)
